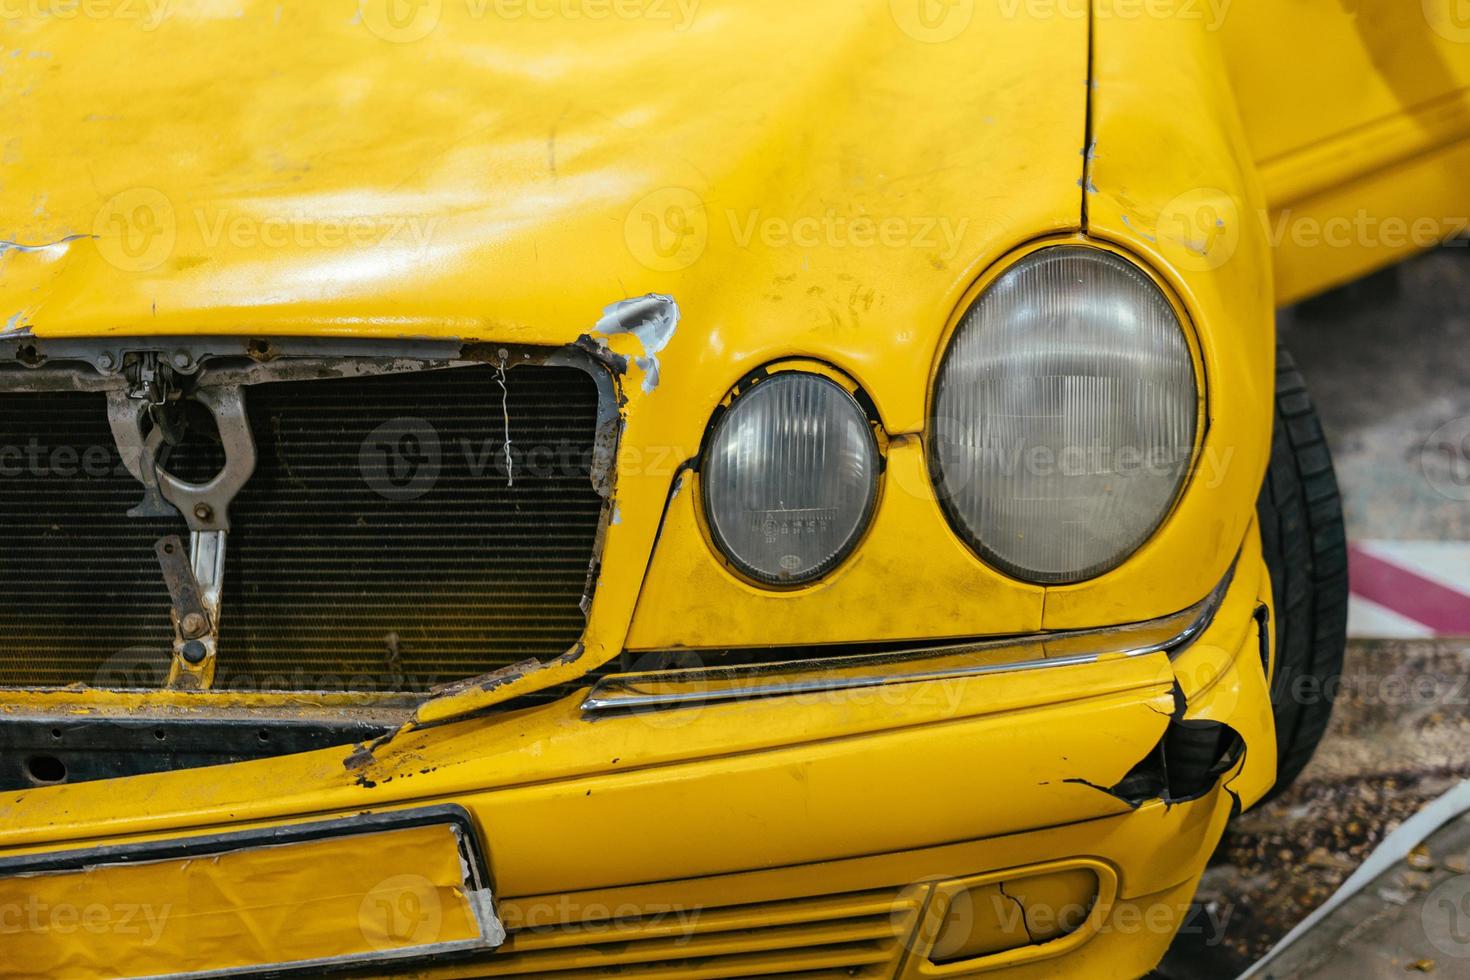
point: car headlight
(789, 478)
(1065, 415)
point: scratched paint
(652, 319)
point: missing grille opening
(379, 546)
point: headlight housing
(789, 478)
(1066, 411)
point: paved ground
(1413, 919)
(1388, 362)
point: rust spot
(362, 756)
(262, 350)
(491, 681)
(602, 353)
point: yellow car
(671, 488)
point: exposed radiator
(350, 565)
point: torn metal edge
(653, 319)
(1152, 778)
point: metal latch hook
(205, 506)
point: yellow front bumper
(750, 838)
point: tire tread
(1302, 536)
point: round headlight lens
(1065, 415)
(789, 478)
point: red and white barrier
(1406, 589)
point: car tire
(1305, 548)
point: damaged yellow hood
(819, 179)
(508, 168)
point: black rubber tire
(1305, 548)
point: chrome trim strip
(703, 685)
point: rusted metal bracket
(205, 506)
(193, 582)
(189, 614)
(194, 579)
